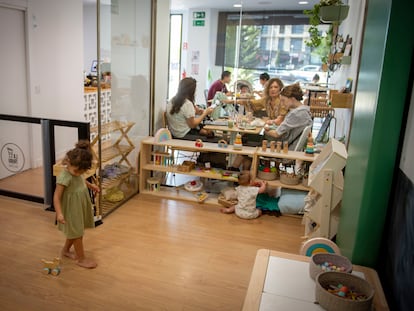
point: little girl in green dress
(72, 202)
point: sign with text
(198, 22)
(199, 14)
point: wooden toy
(264, 145)
(238, 145)
(278, 146)
(310, 149)
(272, 146)
(198, 143)
(162, 134)
(222, 143)
(51, 266)
(285, 147)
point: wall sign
(12, 157)
(201, 14)
(198, 22)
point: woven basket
(224, 202)
(289, 178)
(332, 302)
(320, 258)
(267, 175)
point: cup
(230, 123)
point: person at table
(219, 86)
(275, 112)
(263, 79)
(297, 118)
(183, 116)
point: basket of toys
(267, 169)
(339, 291)
(228, 197)
(186, 166)
(325, 262)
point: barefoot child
(247, 192)
(73, 204)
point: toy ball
(199, 143)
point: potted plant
(327, 11)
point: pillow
(292, 201)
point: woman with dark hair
(183, 116)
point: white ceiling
(257, 5)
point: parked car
(306, 73)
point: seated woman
(181, 113)
(296, 119)
(271, 102)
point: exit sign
(198, 22)
(199, 14)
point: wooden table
(281, 281)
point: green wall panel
(379, 105)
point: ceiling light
(237, 5)
(303, 2)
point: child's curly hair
(80, 156)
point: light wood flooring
(153, 254)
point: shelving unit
(149, 147)
(115, 152)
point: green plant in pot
(337, 12)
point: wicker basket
(186, 166)
(319, 258)
(289, 178)
(224, 202)
(332, 302)
(267, 175)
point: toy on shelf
(193, 185)
(162, 158)
(162, 134)
(267, 169)
(222, 143)
(198, 143)
(310, 148)
(51, 266)
(264, 145)
(201, 196)
(238, 145)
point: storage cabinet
(150, 149)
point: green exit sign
(199, 14)
(198, 22)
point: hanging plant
(315, 38)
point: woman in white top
(183, 116)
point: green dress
(76, 206)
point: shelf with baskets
(290, 180)
(118, 178)
(158, 157)
(150, 164)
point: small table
(281, 281)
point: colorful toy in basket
(267, 169)
(193, 185)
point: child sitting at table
(249, 195)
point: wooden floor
(153, 254)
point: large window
(269, 41)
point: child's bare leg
(227, 210)
(80, 254)
(66, 252)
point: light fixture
(237, 5)
(303, 2)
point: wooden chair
(303, 138)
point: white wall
(353, 26)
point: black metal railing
(49, 159)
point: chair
(303, 138)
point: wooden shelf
(112, 152)
(178, 193)
(291, 155)
(278, 183)
(212, 174)
(112, 127)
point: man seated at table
(219, 86)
